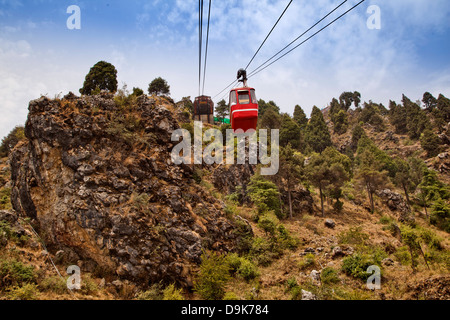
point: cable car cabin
(243, 109)
(204, 109)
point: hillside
(94, 179)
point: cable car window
(232, 97)
(244, 98)
(252, 92)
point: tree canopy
(158, 87)
(317, 135)
(102, 76)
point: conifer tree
(317, 135)
(300, 117)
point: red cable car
(243, 106)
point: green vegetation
(15, 273)
(11, 140)
(329, 276)
(158, 87)
(212, 276)
(222, 110)
(265, 195)
(356, 265)
(102, 76)
(317, 136)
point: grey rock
(329, 223)
(307, 295)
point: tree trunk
(321, 201)
(369, 192)
(407, 196)
(290, 203)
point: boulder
(329, 223)
(307, 295)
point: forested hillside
(359, 185)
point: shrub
(155, 292)
(244, 235)
(309, 260)
(248, 270)
(88, 286)
(356, 265)
(5, 199)
(140, 201)
(15, 273)
(230, 296)
(263, 251)
(353, 236)
(212, 276)
(9, 142)
(296, 293)
(291, 283)
(28, 291)
(6, 231)
(265, 195)
(440, 215)
(234, 262)
(403, 256)
(54, 284)
(172, 293)
(329, 276)
(285, 240)
(385, 220)
(268, 222)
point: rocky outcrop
(229, 177)
(396, 203)
(97, 179)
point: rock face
(393, 200)
(97, 179)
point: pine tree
(430, 142)
(429, 101)
(416, 119)
(300, 117)
(270, 120)
(317, 136)
(328, 172)
(403, 178)
(341, 122)
(222, 110)
(398, 117)
(370, 174)
(291, 169)
(290, 133)
(357, 133)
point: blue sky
(146, 39)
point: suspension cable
(206, 50)
(200, 38)
(268, 60)
(268, 35)
(254, 73)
